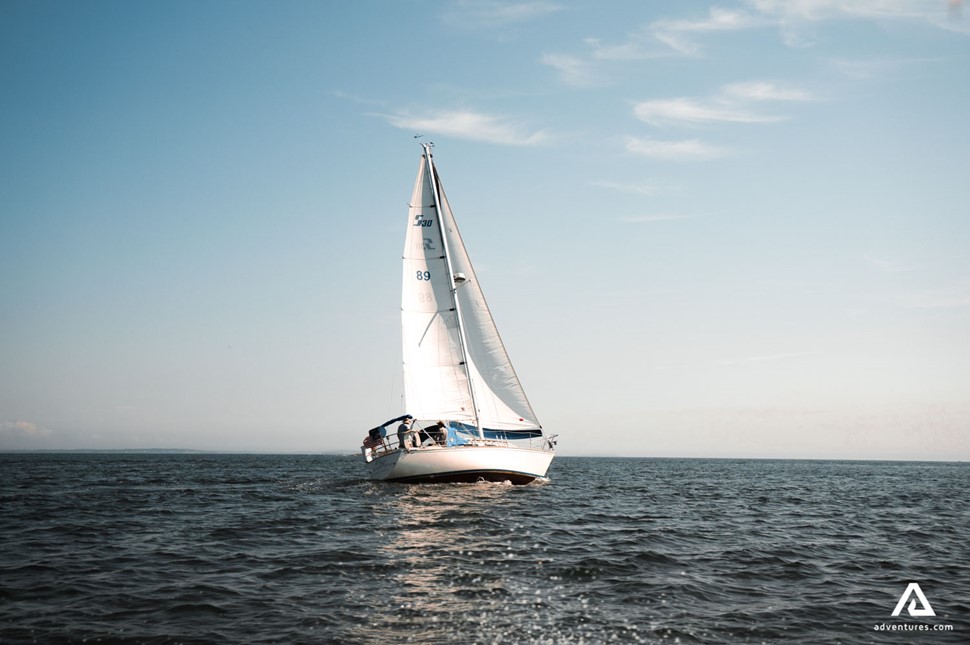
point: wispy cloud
(660, 39)
(493, 14)
(734, 103)
(683, 110)
(469, 125)
(889, 266)
(764, 91)
(796, 21)
(678, 35)
(670, 37)
(639, 45)
(818, 10)
(573, 70)
(683, 150)
(795, 16)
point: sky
(728, 229)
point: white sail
(502, 404)
(454, 358)
(435, 379)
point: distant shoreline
(155, 451)
(106, 450)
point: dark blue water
(301, 549)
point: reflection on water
(450, 549)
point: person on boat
(375, 438)
(404, 434)
(441, 433)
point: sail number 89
(423, 275)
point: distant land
(164, 451)
(114, 450)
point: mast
(462, 341)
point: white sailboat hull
(433, 464)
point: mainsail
(455, 365)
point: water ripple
(269, 549)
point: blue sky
(730, 229)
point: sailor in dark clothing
(404, 434)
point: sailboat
(468, 418)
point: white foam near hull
(462, 464)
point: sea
(230, 548)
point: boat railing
(532, 443)
(383, 445)
(378, 447)
(374, 448)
